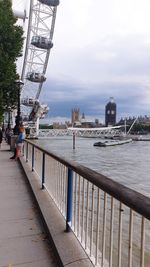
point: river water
(128, 164)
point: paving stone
(22, 241)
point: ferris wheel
(40, 30)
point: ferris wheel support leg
(37, 127)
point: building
(82, 122)
(75, 118)
(110, 112)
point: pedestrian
(1, 137)
(19, 143)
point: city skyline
(101, 49)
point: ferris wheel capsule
(29, 101)
(36, 77)
(41, 42)
(50, 2)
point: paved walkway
(22, 241)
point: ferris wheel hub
(20, 14)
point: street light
(19, 84)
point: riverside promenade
(32, 230)
(23, 242)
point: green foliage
(11, 42)
(45, 126)
(141, 128)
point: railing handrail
(133, 199)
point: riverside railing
(111, 221)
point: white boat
(112, 142)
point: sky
(101, 50)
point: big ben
(110, 112)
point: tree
(11, 43)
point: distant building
(75, 115)
(110, 112)
(144, 120)
(82, 122)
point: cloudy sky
(101, 49)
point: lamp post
(8, 110)
(19, 84)
(8, 125)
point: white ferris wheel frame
(41, 22)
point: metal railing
(111, 221)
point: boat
(140, 139)
(112, 142)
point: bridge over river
(82, 132)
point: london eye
(40, 17)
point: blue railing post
(27, 152)
(43, 170)
(32, 158)
(69, 200)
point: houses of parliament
(110, 116)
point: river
(128, 164)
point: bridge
(83, 132)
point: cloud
(116, 66)
(129, 99)
(110, 58)
(101, 49)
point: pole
(19, 83)
(125, 126)
(18, 108)
(69, 200)
(32, 158)
(74, 139)
(8, 126)
(43, 170)
(37, 127)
